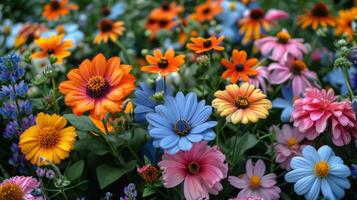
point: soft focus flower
(344, 22)
(239, 68)
(40, 172)
(10, 69)
(17, 159)
(109, 29)
(28, 31)
(232, 11)
(318, 15)
(98, 86)
(285, 103)
(247, 198)
(295, 72)
(260, 79)
(201, 45)
(167, 9)
(336, 79)
(179, 122)
(69, 30)
(50, 174)
(49, 138)
(130, 192)
(156, 22)
(206, 11)
(57, 8)
(241, 104)
(202, 169)
(354, 170)
(115, 11)
(319, 108)
(18, 188)
(255, 183)
(282, 47)
(319, 170)
(163, 64)
(13, 129)
(149, 173)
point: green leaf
(148, 191)
(106, 174)
(98, 147)
(75, 171)
(244, 143)
(81, 122)
(147, 160)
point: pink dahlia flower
(296, 72)
(319, 108)
(255, 184)
(288, 145)
(282, 47)
(19, 188)
(202, 169)
(260, 79)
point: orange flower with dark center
(240, 68)
(344, 22)
(251, 25)
(318, 15)
(109, 29)
(157, 22)
(56, 8)
(98, 86)
(163, 64)
(29, 31)
(167, 9)
(53, 46)
(201, 45)
(207, 11)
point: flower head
(255, 183)
(201, 45)
(10, 69)
(19, 188)
(156, 22)
(285, 103)
(207, 11)
(56, 8)
(317, 171)
(344, 22)
(149, 173)
(318, 15)
(109, 29)
(202, 169)
(260, 79)
(168, 9)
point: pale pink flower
(261, 78)
(294, 71)
(319, 108)
(287, 145)
(282, 47)
(202, 169)
(247, 198)
(20, 187)
(255, 184)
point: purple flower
(354, 170)
(40, 172)
(50, 174)
(19, 90)
(10, 69)
(13, 129)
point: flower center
(206, 11)
(97, 87)
(256, 13)
(163, 63)
(105, 10)
(50, 51)
(254, 182)
(55, 5)
(165, 6)
(322, 169)
(283, 37)
(106, 25)
(163, 23)
(10, 191)
(193, 167)
(48, 137)
(182, 127)
(151, 174)
(298, 66)
(158, 97)
(207, 43)
(232, 6)
(151, 21)
(291, 142)
(241, 102)
(60, 29)
(239, 67)
(320, 10)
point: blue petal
(286, 114)
(164, 111)
(180, 102)
(209, 135)
(299, 162)
(194, 137)
(169, 141)
(173, 150)
(303, 185)
(201, 128)
(313, 194)
(342, 182)
(297, 174)
(340, 170)
(325, 152)
(190, 106)
(281, 103)
(160, 132)
(335, 160)
(337, 190)
(184, 144)
(287, 93)
(310, 154)
(157, 120)
(326, 190)
(170, 103)
(156, 143)
(201, 115)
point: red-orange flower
(207, 11)
(157, 22)
(98, 86)
(201, 45)
(163, 64)
(167, 9)
(108, 29)
(56, 8)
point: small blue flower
(232, 11)
(179, 122)
(10, 69)
(286, 103)
(354, 170)
(336, 79)
(317, 171)
(117, 10)
(130, 192)
(20, 90)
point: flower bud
(149, 173)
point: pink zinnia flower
(282, 47)
(260, 79)
(319, 108)
(255, 183)
(288, 145)
(202, 168)
(294, 71)
(19, 188)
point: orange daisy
(157, 22)
(53, 46)
(98, 86)
(168, 9)
(108, 29)
(207, 11)
(201, 45)
(29, 31)
(344, 22)
(318, 15)
(163, 64)
(240, 68)
(56, 8)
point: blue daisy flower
(286, 103)
(146, 99)
(317, 171)
(179, 122)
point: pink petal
(274, 14)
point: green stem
(134, 154)
(64, 194)
(127, 56)
(346, 76)
(54, 95)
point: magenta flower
(294, 71)
(287, 145)
(260, 79)
(282, 47)
(255, 184)
(202, 168)
(19, 187)
(317, 109)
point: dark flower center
(298, 66)
(151, 174)
(105, 10)
(50, 51)
(97, 87)
(241, 102)
(182, 127)
(163, 63)
(320, 10)
(151, 21)
(256, 13)
(207, 43)
(206, 11)
(193, 167)
(55, 5)
(239, 67)
(163, 23)
(106, 25)
(165, 6)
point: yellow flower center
(322, 169)
(55, 5)
(10, 191)
(106, 25)
(241, 102)
(298, 66)
(193, 167)
(163, 63)
(254, 182)
(60, 29)
(283, 37)
(291, 142)
(97, 87)
(48, 137)
(232, 6)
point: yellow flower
(241, 104)
(48, 139)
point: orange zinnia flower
(53, 46)
(240, 68)
(207, 11)
(345, 20)
(201, 45)
(318, 15)
(163, 64)
(98, 86)
(57, 8)
(108, 29)
(167, 9)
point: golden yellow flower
(241, 104)
(49, 139)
